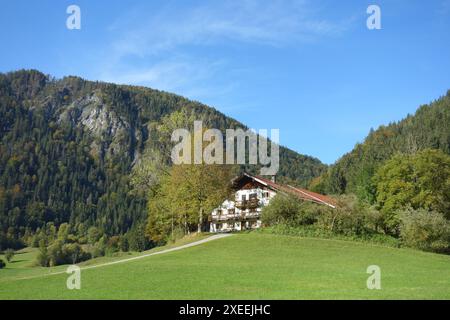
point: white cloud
(277, 22)
(154, 48)
(181, 75)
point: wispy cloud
(278, 22)
(181, 74)
(164, 48)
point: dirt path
(192, 244)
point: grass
(254, 266)
(312, 231)
(23, 265)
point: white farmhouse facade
(251, 195)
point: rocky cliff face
(109, 132)
(67, 148)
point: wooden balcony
(247, 204)
(226, 217)
(236, 217)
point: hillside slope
(255, 266)
(67, 147)
(429, 127)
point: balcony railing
(242, 216)
(250, 204)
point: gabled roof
(299, 192)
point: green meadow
(243, 266)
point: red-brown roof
(299, 192)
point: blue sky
(310, 68)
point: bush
(285, 209)
(124, 247)
(74, 253)
(312, 231)
(93, 235)
(111, 251)
(2, 264)
(137, 241)
(351, 217)
(95, 251)
(425, 230)
(9, 254)
(59, 253)
(42, 258)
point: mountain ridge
(67, 147)
(427, 128)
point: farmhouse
(252, 193)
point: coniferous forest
(75, 154)
(428, 128)
(68, 146)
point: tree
(282, 209)
(136, 238)
(63, 232)
(427, 128)
(42, 258)
(93, 235)
(54, 168)
(425, 230)
(147, 173)
(9, 254)
(418, 181)
(186, 197)
(2, 264)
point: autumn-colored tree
(186, 196)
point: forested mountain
(428, 128)
(67, 147)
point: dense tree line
(400, 176)
(68, 146)
(429, 128)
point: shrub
(111, 251)
(95, 251)
(312, 231)
(93, 235)
(124, 244)
(421, 180)
(351, 217)
(2, 264)
(9, 254)
(114, 242)
(137, 241)
(59, 253)
(73, 253)
(54, 253)
(425, 230)
(42, 258)
(287, 210)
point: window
(253, 196)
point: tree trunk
(200, 220)
(172, 229)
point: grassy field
(250, 266)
